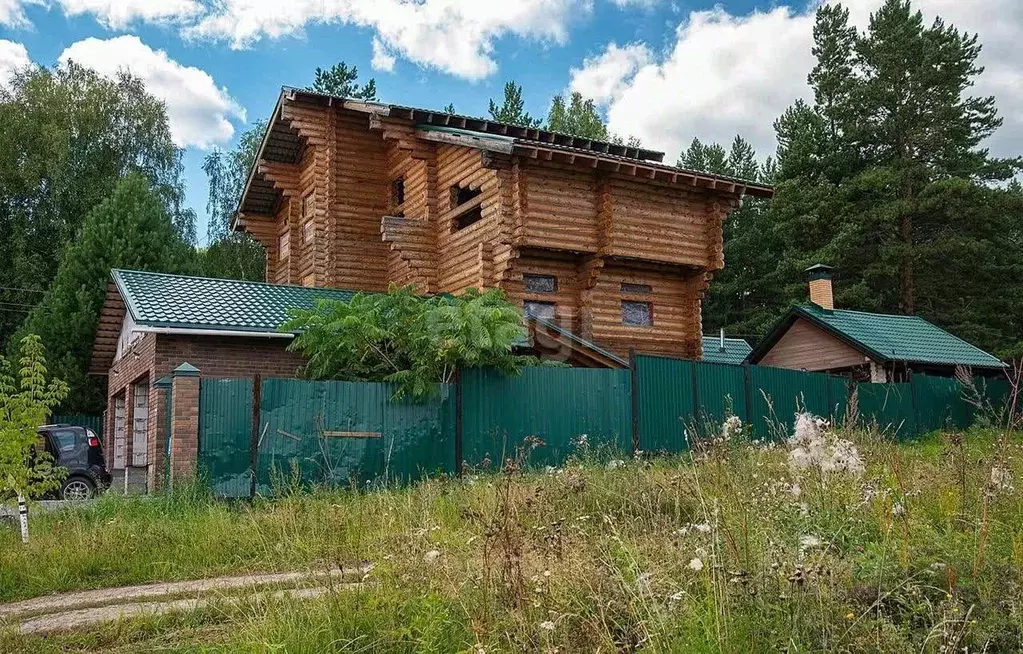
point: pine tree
(67, 136)
(744, 298)
(130, 229)
(885, 176)
(512, 108)
(343, 82)
(578, 117)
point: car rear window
(66, 440)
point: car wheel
(77, 489)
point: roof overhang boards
(111, 317)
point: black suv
(79, 450)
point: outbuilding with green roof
(868, 346)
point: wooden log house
(603, 240)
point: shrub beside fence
(347, 433)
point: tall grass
(731, 549)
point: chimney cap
(819, 271)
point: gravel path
(72, 620)
(69, 611)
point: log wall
(465, 255)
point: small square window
(398, 192)
(540, 283)
(308, 205)
(637, 314)
(284, 247)
(308, 232)
(636, 288)
(542, 310)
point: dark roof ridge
(229, 280)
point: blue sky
(660, 70)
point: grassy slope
(583, 559)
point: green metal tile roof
(898, 338)
(736, 350)
(178, 301)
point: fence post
(185, 389)
(634, 398)
(748, 388)
(164, 385)
(697, 414)
(458, 422)
(831, 402)
(916, 409)
(257, 401)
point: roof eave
(129, 303)
(274, 117)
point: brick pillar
(159, 426)
(184, 422)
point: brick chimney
(819, 278)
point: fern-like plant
(414, 341)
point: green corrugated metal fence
(95, 423)
(225, 435)
(666, 402)
(556, 405)
(778, 395)
(334, 433)
(352, 434)
(680, 399)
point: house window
(637, 314)
(636, 288)
(540, 283)
(284, 247)
(308, 204)
(466, 207)
(542, 310)
(308, 232)
(398, 192)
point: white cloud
(12, 13)
(726, 74)
(13, 56)
(118, 14)
(454, 36)
(602, 78)
(382, 59)
(199, 111)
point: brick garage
(151, 323)
(154, 356)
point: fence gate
(303, 433)
(349, 434)
(225, 435)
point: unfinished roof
(885, 337)
(283, 144)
